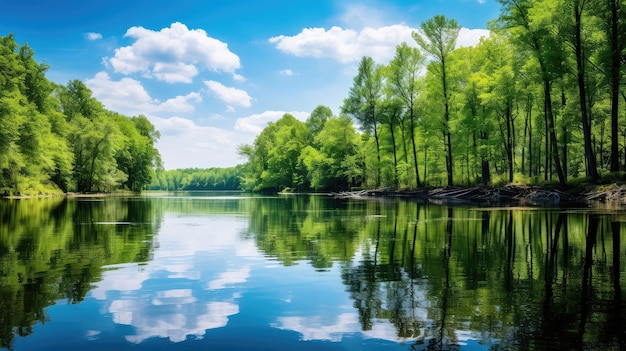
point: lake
(230, 271)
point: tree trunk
(592, 168)
(395, 155)
(550, 116)
(377, 155)
(446, 133)
(509, 142)
(615, 76)
(417, 172)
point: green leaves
(59, 138)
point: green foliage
(198, 179)
(54, 249)
(57, 139)
(274, 159)
(334, 165)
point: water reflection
(307, 271)
(175, 295)
(52, 249)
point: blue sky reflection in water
(306, 273)
(207, 288)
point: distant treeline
(198, 179)
(56, 139)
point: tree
(476, 116)
(363, 99)
(500, 91)
(317, 119)
(273, 160)
(582, 55)
(391, 110)
(330, 166)
(95, 139)
(137, 158)
(533, 33)
(612, 14)
(438, 38)
(403, 77)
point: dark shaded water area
(228, 271)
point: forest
(539, 101)
(216, 178)
(57, 139)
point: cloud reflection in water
(192, 284)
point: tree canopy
(57, 138)
(537, 100)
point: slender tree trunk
(530, 138)
(446, 136)
(524, 144)
(590, 157)
(550, 116)
(395, 155)
(377, 155)
(546, 164)
(509, 142)
(418, 183)
(425, 161)
(615, 75)
(403, 136)
(564, 133)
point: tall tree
(582, 55)
(137, 157)
(404, 71)
(500, 91)
(612, 13)
(391, 109)
(332, 166)
(363, 99)
(317, 119)
(535, 34)
(438, 38)
(274, 159)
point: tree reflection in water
(441, 277)
(516, 278)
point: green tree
(438, 38)
(404, 72)
(317, 119)
(500, 91)
(363, 99)
(531, 30)
(274, 158)
(137, 158)
(335, 165)
(612, 16)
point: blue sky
(211, 74)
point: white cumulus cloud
(173, 54)
(255, 123)
(93, 36)
(344, 45)
(229, 95)
(185, 144)
(471, 37)
(285, 72)
(128, 96)
(181, 103)
(347, 45)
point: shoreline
(66, 195)
(510, 194)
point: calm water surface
(226, 271)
